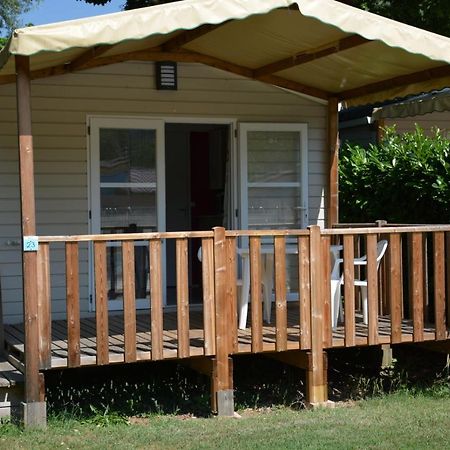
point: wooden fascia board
(402, 80)
(312, 55)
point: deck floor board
(14, 335)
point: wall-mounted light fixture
(166, 75)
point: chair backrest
(381, 250)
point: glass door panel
(127, 193)
(274, 184)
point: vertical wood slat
(280, 293)
(255, 289)
(129, 300)
(417, 285)
(304, 282)
(447, 258)
(44, 306)
(439, 284)
(73, 304)
(326, 283)
(231, 292)
(182, 297)
(101, 302)
(156, 300)
(395, 286)
(222, 327)
(349, 290)
(209, 320)
(372, 288)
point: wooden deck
(14, 335)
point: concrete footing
(225, 403)
(34, 415)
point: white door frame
(94, 122)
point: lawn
(395, 421)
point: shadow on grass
(116, 392)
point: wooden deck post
(34, 407)
(223, 384)
(317, 389)
(333, 150)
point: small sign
(30, 244)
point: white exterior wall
(60, 106)
(428, 121)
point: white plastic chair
(337, 281)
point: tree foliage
(10, 12)
(404, 179)
(432, 15)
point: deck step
(11, 388)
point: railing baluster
(231, 252)
(439, 284)
(156, 300)
(395, 286)
(304, 284)
(73, 304)
(349, 290)
(209, 320)
(129, 300)
(255, 289)
(372, 288)
(447, 258)
(280, 293)
(417, 285)
(101, 302)
(182, 298)
(44, 306)
(326, 280)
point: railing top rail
(127, 236)
(387, 229)
(262, 233)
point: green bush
(403, 179)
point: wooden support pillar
(224, 383)
(34, 406)
(208, 366)
(316, 380)
(333, 151)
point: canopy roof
(321, 48)
(427, 103)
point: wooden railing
(408, 296)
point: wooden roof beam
(88, 55)
(187, 36)
(312, 55)
(402, 80)
(157, 54)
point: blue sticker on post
(30, 244)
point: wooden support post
(333, 150)
(34, 406)
(224, 383)
(208, 366)
(311, 375)
(316, 380)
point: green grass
(401, 420)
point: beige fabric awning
(321, 48)
(416, 106)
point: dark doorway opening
(197, 181)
